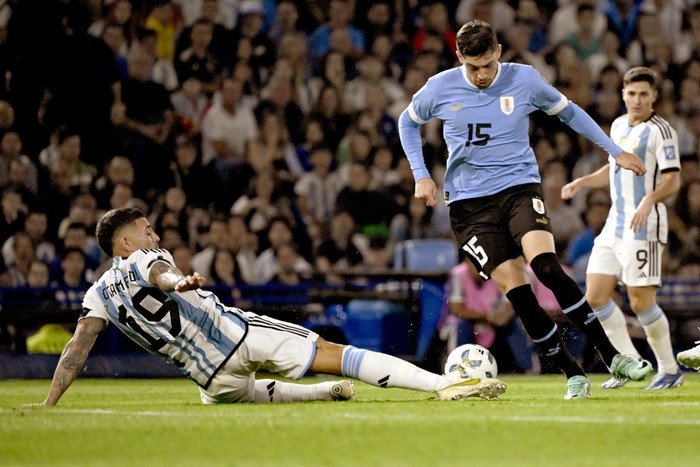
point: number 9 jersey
(191, 329)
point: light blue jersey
(192, 329)
(486, 130)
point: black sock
(543, 331)
(573, 303)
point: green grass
(161, 422)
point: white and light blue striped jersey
(192, 329)
(486, 130)
(656, 143)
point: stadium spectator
(212, 239)
(340, 13)
(187, 173)
(339, 251)
(372, 210)
(224, 269)
(222, 36)
(167, 25)
(229, 131)
(276, 151)
(266, 264)
(251, 17)
(35, 224)
(11, 151)
(118, 170)
(329, 112)
(585, 41)
(162, 70)
(113, 36)
(71, 283)
(120, 13)
(14, 210)
(18, 268)
(317, 190)
(623, 16)
(198, 61)
(288, 271)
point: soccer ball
(471, 361)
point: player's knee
(547, 269)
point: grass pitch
(161, 422)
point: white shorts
(635, 263)
(272, 345)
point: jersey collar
(495, 78)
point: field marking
(398, 417)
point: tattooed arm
(73, 357)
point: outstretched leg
(270, 390)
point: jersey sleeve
(93, 307)
(667, 149)
(545, 96)
(140, 262)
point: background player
(631, 245)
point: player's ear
(460, 57)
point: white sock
(383, 370)
(270, 390)
(613, 321)
(655, 326)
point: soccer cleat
(614, 383)
(342, 391)
(666, 381)
(625, 366)
(485, 388)
(690, 357)
(578, 387)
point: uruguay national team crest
(538, 205)
(507, 104)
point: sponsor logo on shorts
(542, 220)
(538, 205)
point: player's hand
(192, 282)
(570, 189)
(632, 162)
(639, 219)
(427, 191)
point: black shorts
(491, 228)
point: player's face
(639, 100)
(482, 69)
(139, 235)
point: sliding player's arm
(170, 279)
(73, 357)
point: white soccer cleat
(614, 383)
(486, 388)
(342, 391)
(690, 357)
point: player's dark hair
(639, 74)
(111, 222)
(476, 38)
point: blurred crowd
(260, 137)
